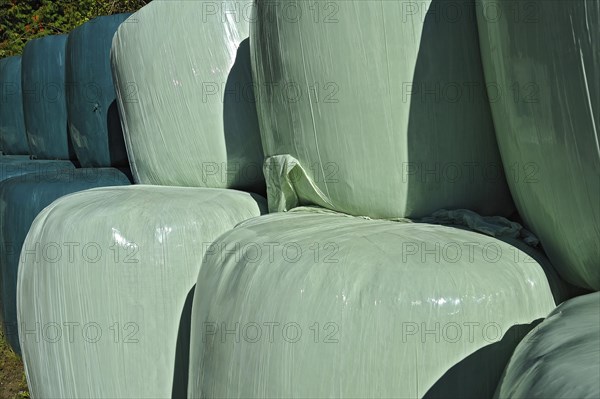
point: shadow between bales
(182, 349)
(240, 124)
(449, 107)
(477, 376)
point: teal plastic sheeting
(375, 108)
(560, 358)
(543, 78)
(12, 125)
(315, 304)
(127, 291)
(12, 166)
(94, 124)
(184, 86)
(21, 200)
(44, 97)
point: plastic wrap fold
(382, 104)
(94, 124)
(314, 304)
(121, 303)
(184, 88)
(21, 200)
(12, 125)
(560, 358)
(44, 97)
(543, 79)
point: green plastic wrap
(12, 125)
(375, 108)
(313, 304)
(104, 288)
(560, 358)
(543, 76)
(94, 124)
(22, 198)
(184, 85)
(44, 97)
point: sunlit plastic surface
(313, 304)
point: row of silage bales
(151, 237)
(23, 197)
(386, 302)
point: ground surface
(12, 379)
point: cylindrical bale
(94, 123)
(13, 140)
(184, 86)
(44, 97)
(23, 198)
(122, 286)
(542, 65)
(375, 108)
(311, 304)
(560, 358)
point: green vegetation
(12, 378)
(23, 20)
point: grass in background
(12, 377)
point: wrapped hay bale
(44, 97)
(22, 198)
(12, 125)
(91, 97)
(375, 108)
(104, 287)
(560, 358)
(184, 87)
(314, 304)
(543, 77)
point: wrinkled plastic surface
(184, 85)
(314, 304)
(560, 358)
(543, 74)
(12, 125)
(131, 285)
(44, 97)
(21, 200)
(375, 108)
(94, 124)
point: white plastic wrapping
(542, 65)
(312, 304)
(104, 283)
(375, 108)
(184, 86)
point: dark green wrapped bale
(44, 99)
(94, 124)
(12, 124)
